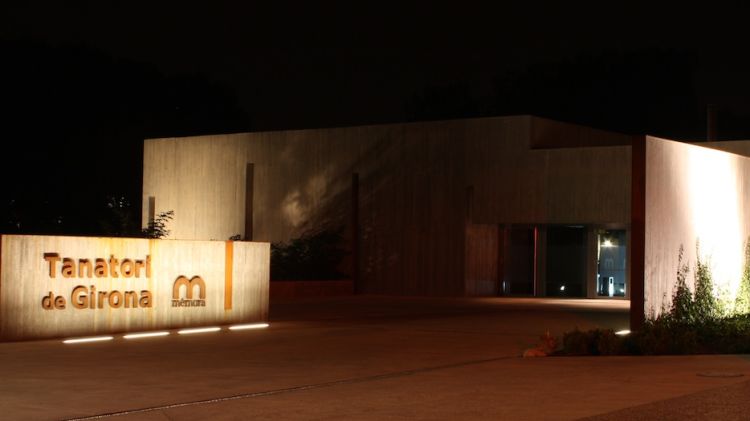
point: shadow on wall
(316, 211)
(300, 204)
(411, 202)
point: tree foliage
(682, 298)
(705, 305)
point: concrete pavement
(361, 358)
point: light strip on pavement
(91, 339)
(249, 326)
(145, 335)
(198, 330)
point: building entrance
(566, 261)
(520, 261)
(611, 261)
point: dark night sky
(84, 82)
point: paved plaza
(372, 358)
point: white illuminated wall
(693, 194)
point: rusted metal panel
(482, 251)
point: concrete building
(515, 205)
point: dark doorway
(566, 261)
(519, 262)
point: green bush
(705, 306)
(682, 298)
(609, 343)
(742, 303)
(695, 322)
(593, 342)
(578, 342)
(314, 255)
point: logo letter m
(190, 286)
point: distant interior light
(249, 326)
(622, 332)
(607, 243)
(145, 335)
(91, 339)
(198, 330)
(562, 288)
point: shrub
(608, 343)
(578, 342)
(119, 220)
(593, 342)
(693, 323)
(314, 255)
(157, 227)
(742, 303)
(705, 306)
(682, 298)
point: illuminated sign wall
(65, 286)
(693, 195)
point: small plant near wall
(742, 302)
(157, 227)
(706, 307)
(700, 307)
(120, 221)
(682, 298)
(593, 342)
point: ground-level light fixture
(145, 335)
(249, 326)
(90, 339)
(198, 330)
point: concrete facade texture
(435, 200)
(420, 184)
